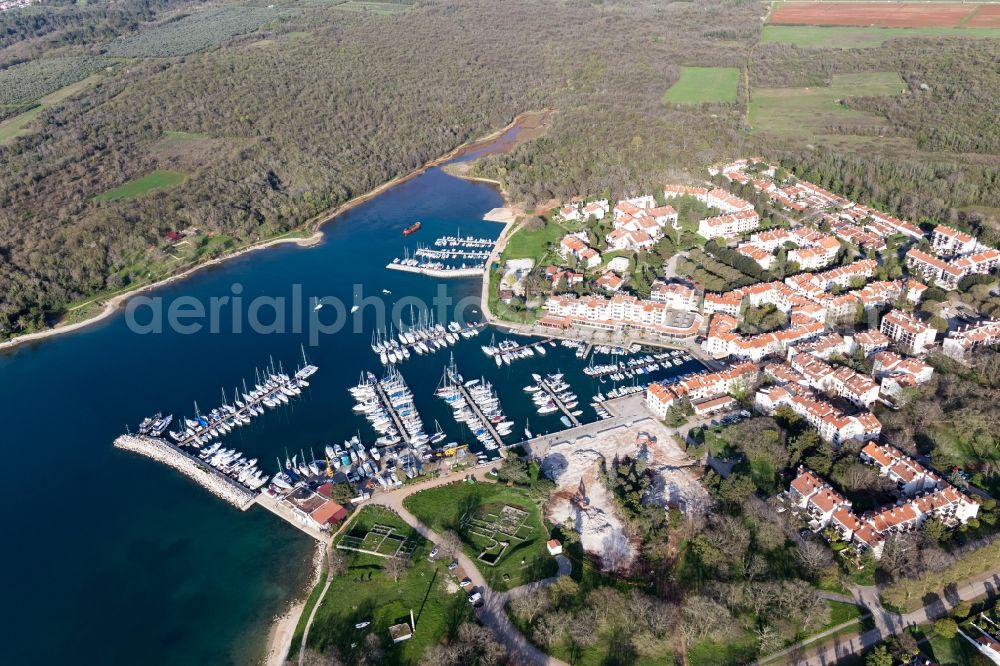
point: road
(887, 623)
(491, 613)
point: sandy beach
(279, 638)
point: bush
(946, 628)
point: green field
(525, 243)
(374, 7)
(365, 592)
(699, 85)
(817, 37)
(160, 179)
(445, 508)
(805, 113)
(17, 125)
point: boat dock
(442, 272)
(202, 473)
(427, 253)
(559, 403)
(397, 421)
(465, 241)
(275, 390)
(477, 411)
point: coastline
(279, 636)
(114, 303)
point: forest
(288, 115)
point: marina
(559, 397)
(452, 256)
(272, 390)
(507, 351)
(437, 270)
(420, 338)
(475, 404)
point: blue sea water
(111, 558)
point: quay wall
(213, 480)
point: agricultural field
(986, 16)
(833, 37)
(367, 592)
(195, 32)
(474, 510)
(374, 7)
(160, 179)
(30, 81)
(701, 85)
(809, 113)
(877, 14)
(18, 125)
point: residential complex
(924, 495)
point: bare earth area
(986, 16)
(881, 15)
(602, 530)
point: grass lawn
(699, 85)
(159, 179)
(741, 649)
(443, 508)
(525, 243)
(827, 37)
(841, 612)
(806, 112)
(951, 651)
(366, 593)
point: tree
(946, 628)
(528, 606)
(879, 657)
(396, 567)
(514, 469)
(371, 651)
(768, 639)
(450, 543)
(813, 556)
(962, 610)
(336, 562)
(936, 530)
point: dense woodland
(320, 104)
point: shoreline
(282, 630)
(114, 303)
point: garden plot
(380, 540)
(496, 529)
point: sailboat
(439, 434)
(316, 304)
(527, 432)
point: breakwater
(213, 480)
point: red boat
(410, 229)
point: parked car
(434, 553)
(475, 598)
(453, 565)
(465, 582)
